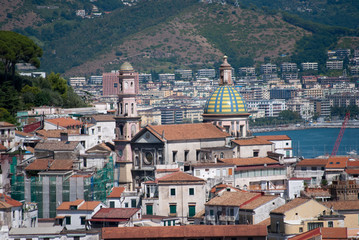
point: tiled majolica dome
(225, 100)
(126, 66)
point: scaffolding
(49, 190)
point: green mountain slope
(165, 34)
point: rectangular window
(313, 225)
(112, 204)
(230, 171)
(133, 203)
(83, 220)
(191, 210)
(173, 192)
(211, 212)
(186, 155)
(149, 209)
(174, 156)
(115, 85)
(198, 153)
(255, 153)
(173, 209)
(231, 212)
(191, 191)
(68, 220)
(330, 224)
(126, 205)
(198, 173)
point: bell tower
(127, 121)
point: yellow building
(350, 210)
(301, 215)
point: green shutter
(191, 211)
(173, 208)
(133, 203)
(149, 209)
(191, 191)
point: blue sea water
(311, 143)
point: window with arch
(222, 155)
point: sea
(311, 143)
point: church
(224, 133)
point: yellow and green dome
(225, 100)
(126, 66)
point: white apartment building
(335, 65)
(310, 66)
(272, 107)
(77, 81)
(289, 67)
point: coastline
(293, 127)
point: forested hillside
(162, 35)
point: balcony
(225, 218)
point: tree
(16, 48)
(289, 115)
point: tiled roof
(39, 165)
(168, 170)
(116, 192)
(23, 134)
(252, 141)
(103, 118)
(102, 147)
(313, 162)
(343, 205)
(290, 205)
(4, 205)
(336, 162)
(275, 137)
(353, 163)
(115, 213)
(66, 205)
(220, 187)
(265, 222)
(64, 122)
(9, 200)
(179, 177)
(49, 164)
(316, 192)
(187, 131)
(258, 202)
(89, 205)
(6, 124)
(352, 171)
(209, 165)
(57, 146)
(187, 231)
(250, 161)
(56, 133)
(81, 205)
(30, 149)
(200, 214)
(232, 199)
(325, 233)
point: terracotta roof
(275, 137)
(187, 131)
(116, 192)
(218, 164)
(325, 233)
(336, 162)
(30, 149)
(39, 165)
(57, 145)
(352, 171)
(232, 199)
(81, 205)
(103, 118)
(353, 163)
(64, 122)
(265, 222)
(49, 164)
(5, 198)
(343, 205)
(23, 134)
(220, 187)
(115, 213)
(6, 124)
(200, 214)
(66, 205)
(56, 133)
(168, 170)
(316, 192)
(4, 205)
(252, 141)
(290, 205)
(102, 147)
(313, 162)
(89, 205)
(187, 231)
(179, 177)
(249, 161)
(61, 165)
(258, 202)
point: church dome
(225, 100)
(126, 66)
